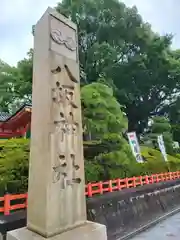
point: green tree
(104, 124)
(16, 84)
(115, 43)
(172, 107)
(23, 84)
(7, 80)
(161, 125)
(172, 110)
(101, 112)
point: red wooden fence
(94, 188)
(7, 207)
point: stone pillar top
(52, 12)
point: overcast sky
(18, 16)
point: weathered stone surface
(88, 231)
(56, 199)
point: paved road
(166, 230)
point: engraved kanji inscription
(65, 127)
(63, 94)
(76, 167)
(61, 174)
(67, 133)
(70, 75)
(56, 70)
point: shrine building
(16, 125)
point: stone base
(89, 231)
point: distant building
(16, 125)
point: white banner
(175, 145)
(162, 146)
(133, 142)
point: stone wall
(123, 212)
(11, 222)
(128, 211)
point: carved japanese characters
(65, 169)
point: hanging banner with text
(162, 146)
(133, 141)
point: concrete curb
(149, 225)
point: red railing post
(89, 190)
(146, 179)
(127, 182)
(141, 181)
(7, 205)
(162, 177)
(119, 184)
(152, 179)
(173, 176)
(110, 186)
(134, 181)
(100, 187)
(170, 176)
(166, 176)
(157, 178)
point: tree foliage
(15, 84)
(7, 79)
(23, 84)
(101, 112)
(128, 74)
(105, 123)
(161, 126)
(172, 110)
(115, 43)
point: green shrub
(14, 155)
(119, 165)
(92, 171)
(114, 161)
(155, 162)
(160, 125)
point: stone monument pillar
(56, 194)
